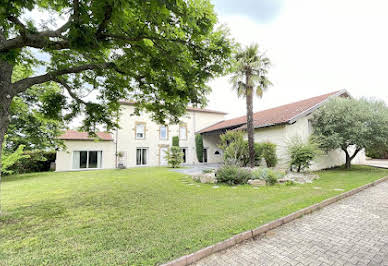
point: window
(87, 159)
(141, 156)
(184, 151)
(163, 135)
(183, 132)
(140, 130)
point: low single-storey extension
(141, 142)
(278, 125)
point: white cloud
(316, 46)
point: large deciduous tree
(250, 77)
(159, 53)
(33, 123)
(351, 125)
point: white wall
(210, 142)
(64, 159)
(127, 143)
(281, 136)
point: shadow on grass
(18, 177)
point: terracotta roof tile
(77, 135)
(274, 116)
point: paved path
(377, 162)
(195, 169)
(353, 231)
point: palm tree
(249, 76)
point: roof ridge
(188, 108)
(278, 114)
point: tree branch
(104, 23)
(355, 153)
(24, 84)
(40, 39)
(15, 20)
(70, 91)
(35, 41)
(140, 38)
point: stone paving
(353, 231)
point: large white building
(142, 142)
(138, 142)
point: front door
(163, 156)
(205, 155)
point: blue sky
(262, 11)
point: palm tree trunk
(249, 100)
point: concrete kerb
(230, 242)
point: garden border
(236, 239)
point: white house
(138, 142)
(142, 142)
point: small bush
(268, 175)
(301, 153)
(269, 154)
(175, 141)
(234, 147)
(258, 153)
(289, 183)
(34, 161)
(207, 171)
(233, 175)
(377, 152)
(174, 157)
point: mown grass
(141, 216)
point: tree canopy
(33, 123)
(351, 125)
(159, 53)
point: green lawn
(141, 216)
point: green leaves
(250, 70)
(301, 153)
(344, 122)
(10, 158)
(159, 53)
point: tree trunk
(350, 158)
(250, 128)
(348, 161)
(5, 102)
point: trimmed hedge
(175, 141)
(39, 161)
(199, 147)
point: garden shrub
(380, 152)
(268, 175)
(34, 161)
(301, 153)
(269, 153)
(258, 152)
(174, 157)
(199, 147)
(234, 147)
(208, 171)
(289, 183)
(233, 175)
(175, 141)
(8, 160)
